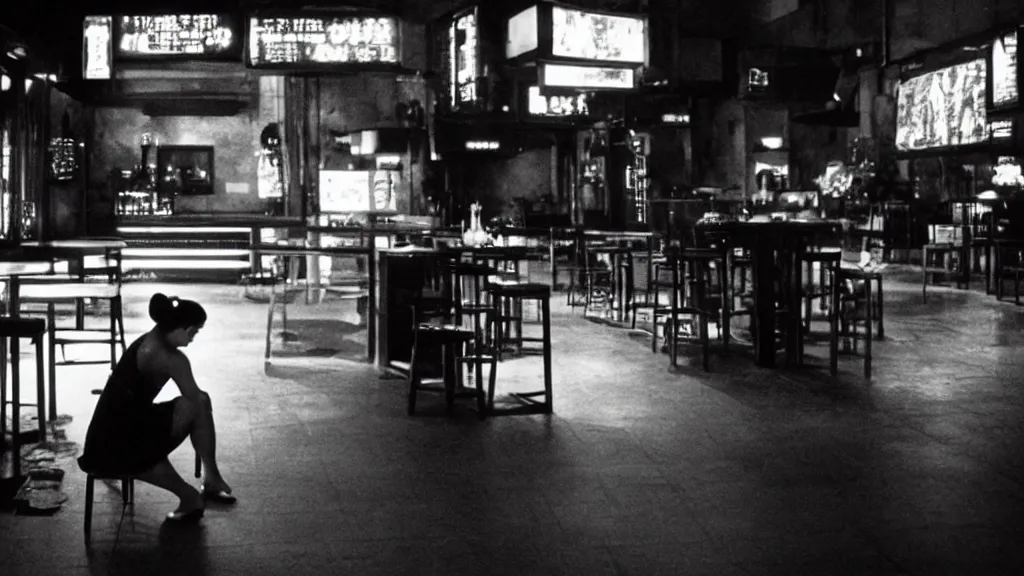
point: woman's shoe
(188, 517)
(217, 495)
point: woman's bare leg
(197, 421)
(163, 475)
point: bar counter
(196, 246)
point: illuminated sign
(97, 47)
(675, 118)
(522, 33)
(540, 105)
(587, 77)
(482, 145)
(463, 63)
(287, 42)
(186, 35)
(1001, 129)
(599, 37)
(1004, 90)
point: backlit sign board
(522, 33)
(598, 37)
(1004, 72)
(324, 41)
(586, 77)
(176, 35)
(540, 105)
(97, 47)
(463, 59)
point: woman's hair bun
(161, 309)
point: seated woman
(131, 435)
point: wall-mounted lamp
(482, 145)
(5, 82)
(46, 77)
(772, 142)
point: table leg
(15, 408)
(764, 305)
(794, 324)
(869, 320)
(881, 310)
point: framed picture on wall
(185, 170)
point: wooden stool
(691, 279)
(13, 330)
(828, 289)
(849, 320)
(127, 493)
(541, 293)
(448, 339)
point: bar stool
(828, 290)
(824, 259)
(449, 339)
(13, 330)
(540, 293)
(693, 279)
(860, 311)
(946, 253)
(127, 492)
(474, 305)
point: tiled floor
(640, 471)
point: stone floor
(640, 470)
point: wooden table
(766, 242)
(369, 252)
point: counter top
(225, 219)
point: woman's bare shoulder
(157, 356)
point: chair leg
(89, 493)
(113, 337)
(414, 376)
(40, 387)
(270, 324)
(120, 324)
(199, 466)
(51, 357)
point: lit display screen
(587, 77)
(344, 191)
(540, 105)
(943, 108)
(522, 33)
(599, 37)
(462, 59)
(1004, 71)
(186, 35)
(97, 47)
(286, 42)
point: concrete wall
(66, 198)
(235, 140)
(724, 160)
(497, 182)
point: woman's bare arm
(177, 366)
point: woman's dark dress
(129, 433)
